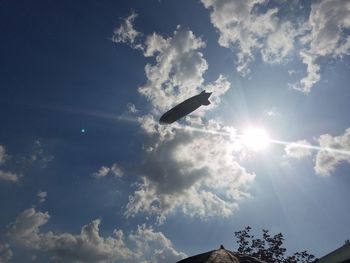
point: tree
(269, 248)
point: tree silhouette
(269, 248)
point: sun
(255, 139)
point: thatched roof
(220, 255)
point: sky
(87, 174)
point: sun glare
(256, 138)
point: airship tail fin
(207, 102)
(205, 97)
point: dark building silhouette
(340, 255)
(221, 255)
(185, 108)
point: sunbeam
(95, 114)
(312, 147)
(247, 138)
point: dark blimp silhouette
(185, 108)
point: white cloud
(326, 36)
(132, 108)
(298, 149)
(328, 21)
(183, 170)
(147, 239)
(5, 253)
(327, 160)
(115, 169)
(102, 172)
(312, 69)
(279, 43)
(218, 88)
(41, 196)
(3, 155)
(331, 151)
(194, 172)
(241, 26)
(25, 229)
(9, 177)
(178, 72)
(39, 156)
(126, 33)
(89, 245)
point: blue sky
(88, 175)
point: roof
(339, 255)
(220, 255)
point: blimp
(185, 108)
